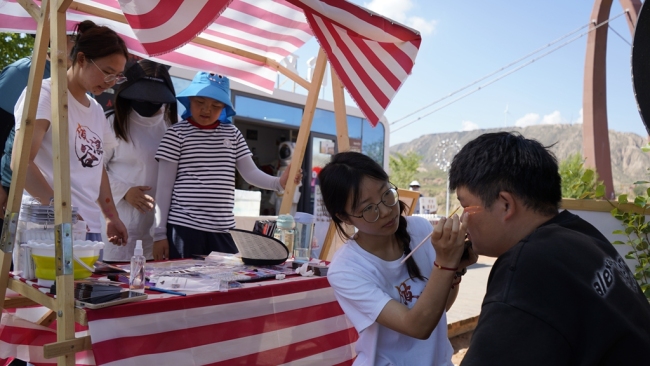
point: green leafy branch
(636, 230)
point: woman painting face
(377, 212)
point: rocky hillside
(629, 163)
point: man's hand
(136, 197)
(116, 232)
(161, 250)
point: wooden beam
(304, 130)
(24, 138)
(47, 318)
(32, 293)
(65, 330)
(16, 302)
(63, 5)
(33, 9)
(67, 348)
(253, 56)
(89, 9)
(340, 114)
(343, 142)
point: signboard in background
(355, 145)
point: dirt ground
(460, 344)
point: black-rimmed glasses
(371, 212)
(119, 79)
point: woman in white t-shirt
(98, 59)
(145, 106)
(399, 310)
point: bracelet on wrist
(461, 273)
(454, 284)
(445, 268)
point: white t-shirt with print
(364, 284)
(88, 132)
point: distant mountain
(629, 163)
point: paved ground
(472, 291)
(463, 315)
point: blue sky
(465, 41)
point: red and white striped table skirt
(292, 322)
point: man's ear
(507, 205)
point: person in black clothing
(559, 293)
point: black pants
(185, 242)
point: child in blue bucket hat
(196, 174)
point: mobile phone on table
(104, 301)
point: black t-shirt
(562, 296)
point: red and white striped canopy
(372, 55)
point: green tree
(578, 182)
(14, 46)
(403, 168)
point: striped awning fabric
(372, 55)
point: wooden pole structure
(66, 341)
(303, 132)
(29, 114)
(343, 142)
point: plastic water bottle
(284, 231)
(138, 261)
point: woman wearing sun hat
(145, 107)
(196, 174)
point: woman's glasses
(371, 212)
(119, 79)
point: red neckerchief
(208, 127)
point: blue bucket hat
(208, 85)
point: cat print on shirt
(409, 291)
(88, 147)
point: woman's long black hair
(342, 177)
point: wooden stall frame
(50, 18)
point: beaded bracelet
(445, 268)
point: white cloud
(398, 11)
(528, 120)
(554, 118)
(532, 119)
(579, 120)
(469, 126)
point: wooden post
(303, 132)
(340, 114)
(62, 195)
(343, 142)
(24, 140)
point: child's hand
(142, 202)
(116, 231)
(161, 250)
(285, 176)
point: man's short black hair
(504, 161)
